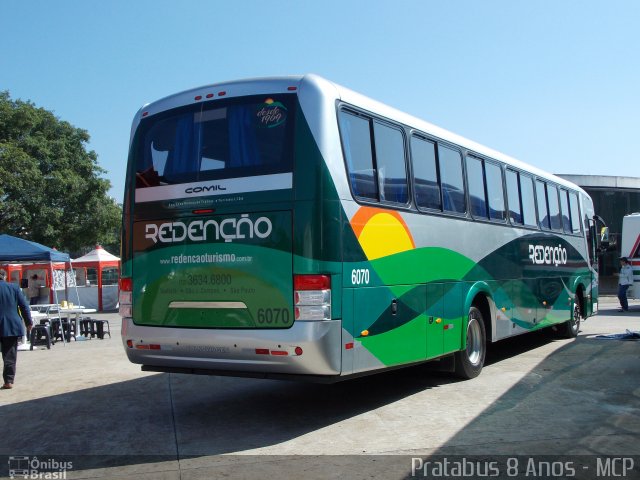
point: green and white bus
(292, 228)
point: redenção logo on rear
(229, 229)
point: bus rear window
(216, 140)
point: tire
(571, 327)
(469, 362)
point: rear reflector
(279, 353)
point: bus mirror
(602, 240)
(604, 243)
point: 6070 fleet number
(272, 316)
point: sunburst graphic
(381, 232)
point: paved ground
(84, 403)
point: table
(37, 316)
(42, 307)
(77, 310)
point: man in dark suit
(12, 306)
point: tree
(51, 191)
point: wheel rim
(474, 341)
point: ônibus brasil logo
(229, 229)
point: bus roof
(333, 91)
(349, 96)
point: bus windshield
(223, 139)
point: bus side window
(425, 172)
(554, 207)
(564, 210)
(392, 170)
(450, 162)
(475, 180)
(528, 200)
(356, 141)
(513, 197)
(486, 193)
(495, 191)
(543, 210)
(575, 212)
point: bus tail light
(290, 351)
(125, 297)
(312, 297)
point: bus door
(593, 247)
(507, 298)
(445, 318)
(525, 308)
(435, 313)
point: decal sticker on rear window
(271, 114)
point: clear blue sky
(555, 83)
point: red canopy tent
(99, 268)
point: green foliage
(51, 191)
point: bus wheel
(571, 327)
(469, 362)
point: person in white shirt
(625, 281)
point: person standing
(624, 282)
(33, 289)
(14, 314)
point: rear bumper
(241, 352)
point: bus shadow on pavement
(517, 345)
(169, 417)
(578, 389)
(228, 415)
(580, 400)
